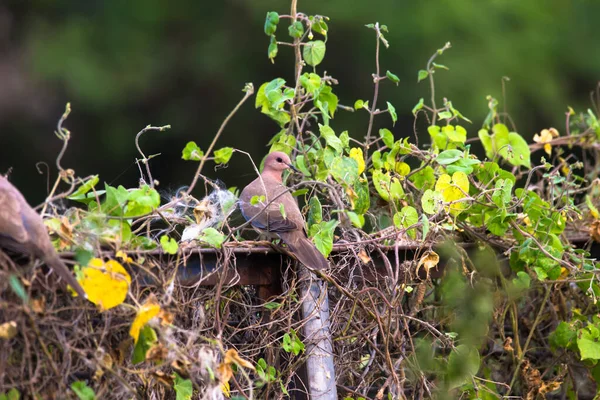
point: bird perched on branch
(271, 208)
(22, 230)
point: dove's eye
(279, 159)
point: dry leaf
(38, 305)
(124, 257)
(149, 310)
(8, 330)
(364, 257)
(106, 284)
(508, 344)
(429, 260)
(595, 230)
(157, 352)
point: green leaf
(296, 30)
(418, 106)
(392, 77)
(83, 391)
(18, 288)
(406, 217)
(311, 82)
(425, 223)
(315, 211)
(331, 139)
(344, 170)
(271, 23)
(440, 66)
(212, 237)
(292, 343)
(362, 202)
(463, 364)
(301, 165)
(257, 199)
(115, 200)
(424, 178)
(146, 340)
(563, 336)
(169, 245)
(272, 50)
(497, 225)
(284, 143)
(387, 136)
(318, 25)
(588, 342)
(327, 96)
(272, 305)
(503, 193)
(456, 134)
(445, 115)
(282, 211)
(84, 188)
(142, 201)
(522, 281)
(449, 156)
(389, 189)
(183, 388)
(357, 220)
(392, 110)
(223, 155)
(13, 394)
(431, 201)
(192, 152)
(322, 235)
(314, 52)
(422, 75)
(520, 154)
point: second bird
(282, 216)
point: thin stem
(145, 159)
(249, 91)
(375, 92)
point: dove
(22, 230)
(278, 212)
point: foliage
(410, 331)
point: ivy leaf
(357, 220)
(223, 155)
(387, 136)
(301, 165)
(212, 237)
(147, 338)
(406, 217)
(356, 154)
(588, 342)
(463, 364)
(453, 189)
(449, 156)
(192, 152)
(331, 139)
(311, 82)
(272, 50)
(392, 111)
(423, 179)
(418, 106)
(322, 235)
(520, 154)
(169, 245)
(456, 134)
(389, 189)
(422, 75)
(183, 387)
(425, 223)
(271, 23)
(315, 211)
(296, 30)
(292, 343)
(431, 201)
(392, 77)
(563, 335)
(84, 188)
(105, 283)
(362, 202)
(81, 389)
(314, 52)
(445, 115)
(503, 193)
(344, 170)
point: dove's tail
(303, 249)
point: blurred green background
(126, 64)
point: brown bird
(22, 230)
(282, 217)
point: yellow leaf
(357, 154)
(225, 389)
(8, 330)
(225, 372)
(232, 356)
(106, 284)
(453, 189)
(149, 310)
(428, 261)
(123, 256)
